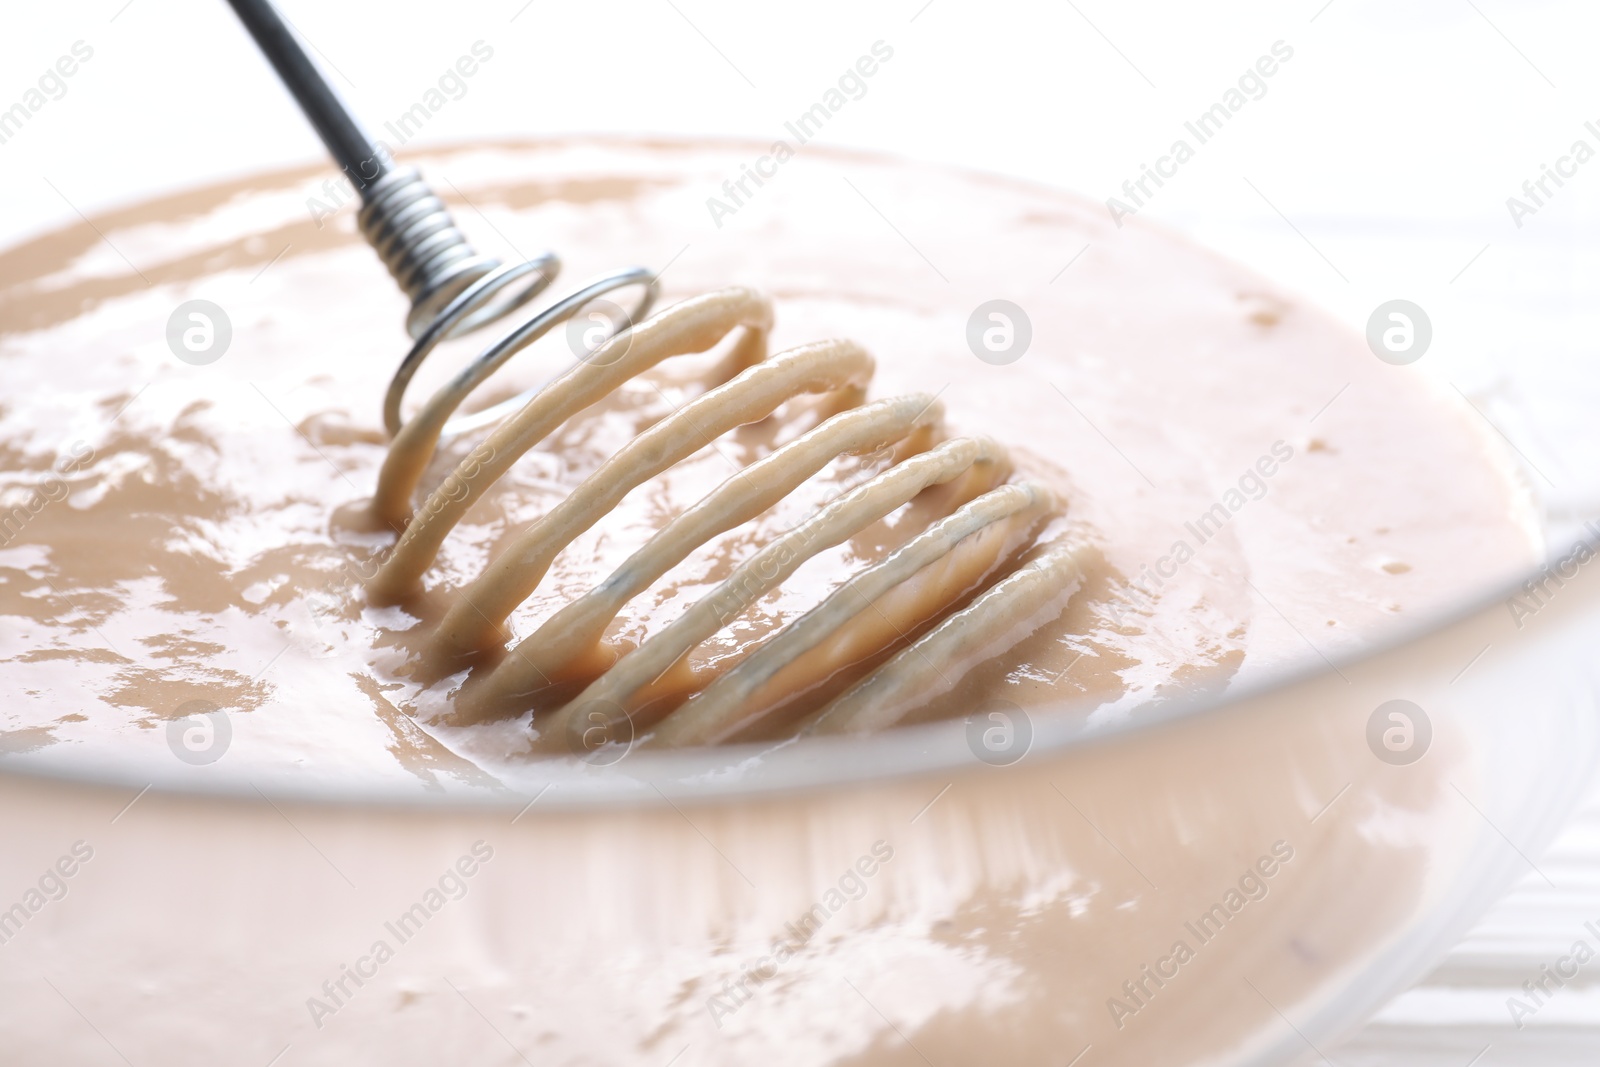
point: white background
(1377, 166)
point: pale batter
(1166, 401)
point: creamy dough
(195, 536)
(881, 609)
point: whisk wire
(873, 616)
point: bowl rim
(797, 766)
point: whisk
(899, 632)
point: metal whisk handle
(405, 222)
(346, 141)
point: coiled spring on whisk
(427, 255)
(966, 586)
(454, 290)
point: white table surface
(1376, 166)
